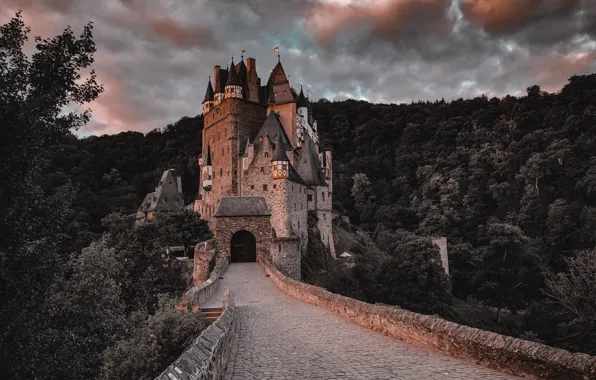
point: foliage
(573, 294)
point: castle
(262, 170)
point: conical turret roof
(246, 148)
(233, 78)
(279, 154)
(302, 102)
(209, 93)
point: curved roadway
(279, 337)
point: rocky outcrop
(207, 356)
(504, 353)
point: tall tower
(230, 118)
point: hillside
(516, 171)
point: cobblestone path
(280, 337)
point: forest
(511, 183)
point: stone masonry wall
(504, 353)
(207, 356)
(286, 257)
(199, 294)
(226, 227)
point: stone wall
(207, 356)
(285, 256)
(515, 356)
(441, 242)
(226, 227)
(198, 294)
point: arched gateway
(243, 247)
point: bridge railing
(207, 357)
(504, 353)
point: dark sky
(154, 56)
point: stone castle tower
(262, 170)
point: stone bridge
(280, 337)
(268, 331)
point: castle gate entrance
(243, 247)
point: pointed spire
(208, 163)
(279, 154)
(209, 93)
(301, 99)
(233, 75)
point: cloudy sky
(154, 56)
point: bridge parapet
(507, 354)
(207, 356)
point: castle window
(323, 195)
(275, 186)
(309, 197)
(228, 173)
(324, 217)
(266, 154)
(220, 171)
(298, 225)
(252, 187)
(262, 169)
(279, 247)
(285, 167)
(264, 187)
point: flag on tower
(243, 51)
(276, 48)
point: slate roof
(279, 154)
(302, 102)
(271, 127)
(209, 93)
(166, 196)
(233, 78)
(242, 206)
(309, 165)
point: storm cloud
(154, 56)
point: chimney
(179, 183)
(216, 84)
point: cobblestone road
(280, 337)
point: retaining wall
(507, 354)
(207, 356)
(198, 294)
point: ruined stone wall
(204, 252)
(226, 227)
(512, 355)
(207, 356)
(441, 242)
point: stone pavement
(279, 337)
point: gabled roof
(209, 93)
(309, 165)
(242, 206)
(278, 75)
(165, 198)
(272, 127)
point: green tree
(189, 229)
(573, 294)
(509, 276)
(414, 278)
(33, 95)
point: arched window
(266, 154)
